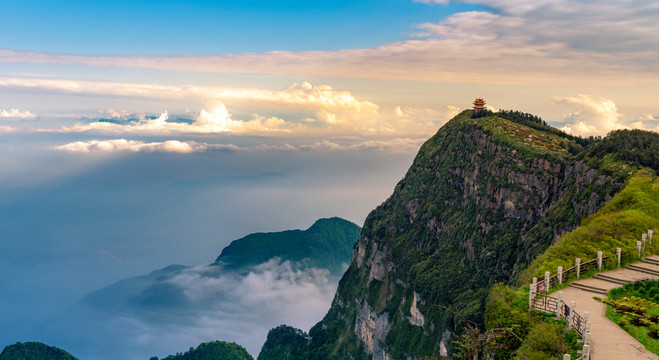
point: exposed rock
(416, 317)
(372, 330)
(444, 343)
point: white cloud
(303, 95)
(590, 115)
(398, 145)
(7, 129)
(230, 307)
(16, 114)
(123, 145)
(646, 122)
(206, 122)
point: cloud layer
(195, 305)
(522, 41)
(396, 145)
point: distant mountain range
(250, 287)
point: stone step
(611, 279)
(651, 260)
(647, 270)
(588, 288)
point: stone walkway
(608, 341)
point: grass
(619, 223)
(647, 290)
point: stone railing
(543, 302)
(580, 268)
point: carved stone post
(577, 262)
(571, 316)
(643, 238)
(618, 254)
(558, 307)
(566, 357)
(532, 290)
(547, 282)
(650, 232)
(586, 352)
(599, 261)
(560, 275)
(638, 247)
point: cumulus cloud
(7, 129)
(310, 110)
(217, 120)
(16, 114)
(123, 145)
(590, 115)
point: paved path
(608, 341)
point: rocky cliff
(482, 198)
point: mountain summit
(482, 199)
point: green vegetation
(512, 332)
(34, 351)
(327, 244)
(637, 147)
(214, 350)
(635, 308)
(482, 200)
(285, 343)
(619, 223)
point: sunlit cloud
(309, 109)
(396, 145)
(7, 129)
(123, 145)
(521, 41)
(647, 122)
(206, 122)
(590, 115)
(16, 114)
(298, 95)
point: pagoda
(479, 106)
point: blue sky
(211, 27)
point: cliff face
(482, 198)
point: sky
(138, 134)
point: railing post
(638, 247)
(586, 352)
(571, 316)
(558, 307)
(577, 262)
(585, 322)
(547, 282)
(618, 254)
(599, 261)
(560, 275)
(643, 238)
(650, 232)
(532, 289)
(566, 357)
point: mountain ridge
(482, 199)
